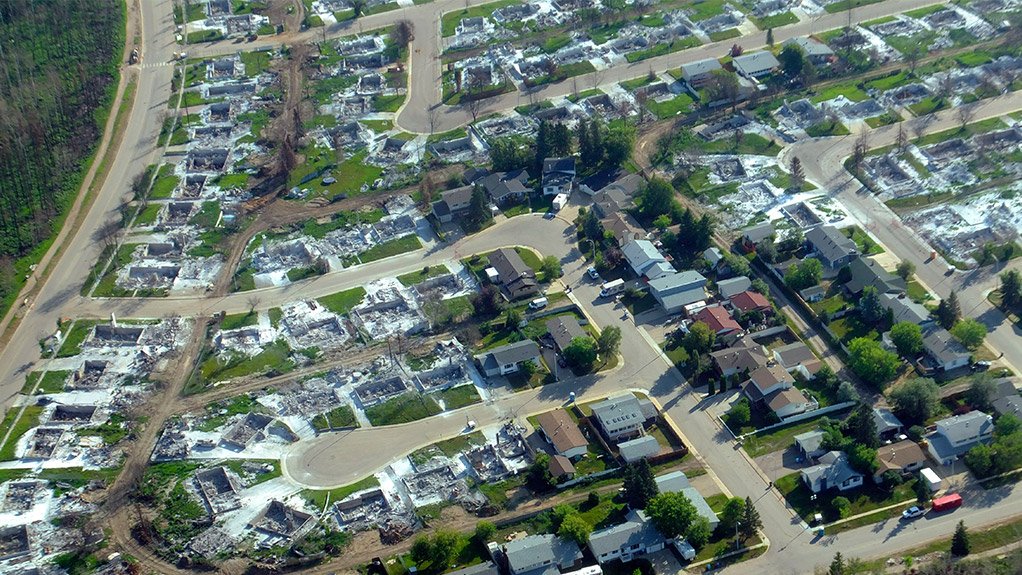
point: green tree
(585, 144)
(722, 86)
(792, 60)
(905, 269)
(542, 146)
(827, 378)
(1011, 288)
(671, 513)
(478, 209)
(484, 532)
(699, 339)
(960, 546)
(551, 268)
(751, 521)
(915, 400)
(739, 415)
(981, 392)
(609, 341)
(870, 361)
(539, 473)
(842, 506)
(949, 311)
(980, 460)
(837, 566)
(738, 265)
(863, 459)
(657, 198)
(592, 227)
(575, 528)
(871, 309)
(907, 338)
(437, 552)
(860, 426)
(506, 155)
(639, 484)
(698, 532)
(487, 302)
(662, 222)
(731, 515)
(618, 145)
(770, 37)
(806, 273)
(847, 392)
(970, 332)
(581, 353)
(560, 140)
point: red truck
(947, 502)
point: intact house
(810, 444)
(752, 236)
(886, 423)
(902, 457)
(944, 350)
(867, 272)
(562, 433)
(563, 329)
(904, 309)
(773, 388)
(816, 52)
(505, 187)
(956, 435)
(745, 357)
(635, 537)
(558, 175)
(755, 64)
(697, 74)
(560, 467)
(798, 358)
(645, 260)
(831, 247)
(749, 301)
(832, 472)
(537, 555)
(718, 319)
(508, 358)
(620, 418)
(638, 448)
(677, 482)
(813, 293)
(623, 227)
(730, 287)
(676, 291)
(515, 276)
(1006, 399)
(452, 204)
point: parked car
(538, 303)
(912, 512)
(593, 274)
(981, 365)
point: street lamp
(737, 525)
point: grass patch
(412, 278)
(239, 320)
(846, 4)
(680, 104)
(378, 126)
(319, 498)
(846, 89)
(705, 10)
(50, 382)
(402, 409)
(111, 432)
(449, 22)
(341, 302)
(827, 128)
(164, 184)
(775, 20)
(924, 11)
(863, 499)
(255, 63)
(338, 417)
(851, 327)
(928, 105)
(885, 119)
(725, 34)
(147, 216)
(862, 241)
(776, 439)
(392, 248)
(458, 397)
(661, 49)
(77, 335)
(29, 419)
(274, 359)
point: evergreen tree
(860, 427)
(542, 146)
(770, 37)
(871, 309)
(639, 485)
(1011, 288)
(751, 520)
(560, 141)
(478, 209)
(837, 566)
(960, 545)
(592, 227)
(585, 142)
(949, 311)
(596, 142)
(798, 175)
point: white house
(958, 434)
(508, 358)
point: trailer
(947, 502)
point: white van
(612, 287)
(538, 303)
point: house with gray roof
(452, 203)
(563, 329)
(833, 472)
(697, 74)
(539, 555)
(642, 255)
(831, 247)
(904, 309)
(1006, 399)
(506, 187)
(635, 537)
(508, 358)
(886, 423)
(815, 51)
(733, 286)
(677, 482)
(945, 351)
(516, 277)
(958, 434)
(755, 64)
(558, 175)
(620, 417)
(747, 356)
(867, 272)
(756, 234)
(675, 291)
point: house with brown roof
(773, 388)
(623, 227)
(718, 319)
(902, 457)
(742, 358)
(789, 402)
(515, 276)
(561, 467)
(797, 357)
(559, 430)
(748, 300)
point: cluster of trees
(968, 331)
(598, 146)
(658, 205)
(870, 361)
(1004, 454)
(856, 436)
(804, 274)
(1011, 289)
(915, 400)
(605, 251)
(695, 347)
(59, 70)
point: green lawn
(404, 408)
(776, 439)
(605, 32)
(725, 34)
(77, 335)
(845, 4)
(924, 11)
(827, 128)
(889, 82)
(458, 397)
(388, 103)
(639, 82)
(239, 320)
(319, 498)
(864, 499)
(147, 216)
(847, 89)
(705, 10)
(980, 127)
(274, 358)
(342, 416)
(29, 419)
(661, 49)
(775, 20)
(449, 22)
(850, 327)
(49, 382)
(164, 184)
(402, 245)
(860, 238)
(928, 105)
(412, 278)
(680, 104)
(255, 63)
(341, 302)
